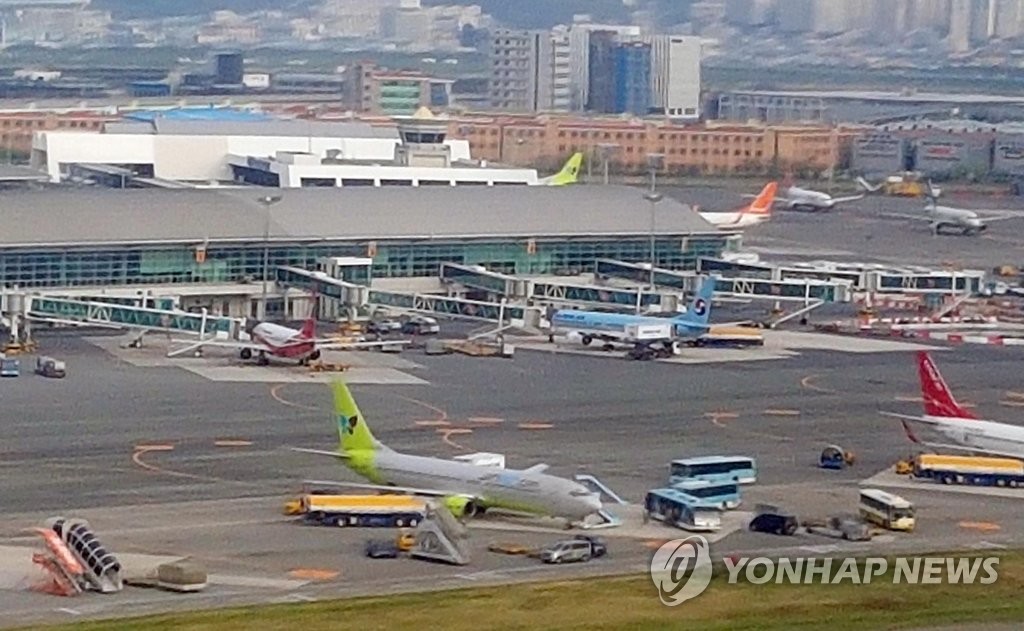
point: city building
(228, 28)
(198, 145)
(632, 78)
(18, 126)
(52, 22)
(675, 76)
(421, 158)
(544, 142)
(601, 91)
(581, 35)
(854, 106)
(163, 239)
(530, 70)
(749, 13)
(373, 90)
(230, 69)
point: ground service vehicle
(10, 367)
(970, 470)
(388, 511)
(381, 549)
(886, 510)
(597, 545)
(568, 551)
(774, 520)
(50, 367)
(420, 325)
(675, 508)
(717, 469)
(848, 527)
(711, 495)
(835, 457)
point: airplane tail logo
(352, 428)
(938, 400)
(762, 204)
(570, 171)
(308, 329)
(699, 311)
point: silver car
(568, 551)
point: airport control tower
(422, 140)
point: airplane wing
(908, 216)
(225, 344)
(335, 345)
(986, 220)
(537, 468)
(383, 487)
(848, 198)
(319, 452)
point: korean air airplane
(621, 327)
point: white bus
(886, 510)
(675, 508)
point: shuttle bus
(886, 510)
(675, 508)
(715, 469)
(711, 495)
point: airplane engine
(463, 507)
(245, 353)
(314, 355)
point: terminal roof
(74, 216)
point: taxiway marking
(446, 436)
(808, 383)
(232, 442)
(275, 394)
(781, 412)
(535, 425)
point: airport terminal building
(93, 237)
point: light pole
(653, 197)
(606, 150)
(267, 202)
(654, 163)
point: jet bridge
(323, 285)
(631, 299)
(499, 312)
(641, 274)
(72, 311)
(478, 278)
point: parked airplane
(759, 211)
(467, 489)
(944, 415)
(960, 220)
(269, 339)
(588, 326)
(795, 198)
(568, 175)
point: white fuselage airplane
(944, 415)
(795, 198)
(759, 211)
(467, 489)
(275, 340)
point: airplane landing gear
(245, 354)
(262, 359)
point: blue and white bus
(675, 508)
(716, 469)
(723, 496)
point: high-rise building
(1010, 18)
(373, 90)
(960, 26)
(632, 78)
(675, 76)
(930, 14)
(230, 68)
(983, 20)
(747, 13)
(530, 70)
(601, 60)
(580, 34)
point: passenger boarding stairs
(102, 570)
(608, 519)
(441, 537)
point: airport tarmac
(865, 230)
(167, 462)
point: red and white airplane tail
(938, 400)
(762, 204)
(308, 330)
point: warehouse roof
(137, 216)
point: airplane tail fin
(762, 204)
(570, 171)
(308, 328)
(938, 400)
(352, 428)
(699, 310)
